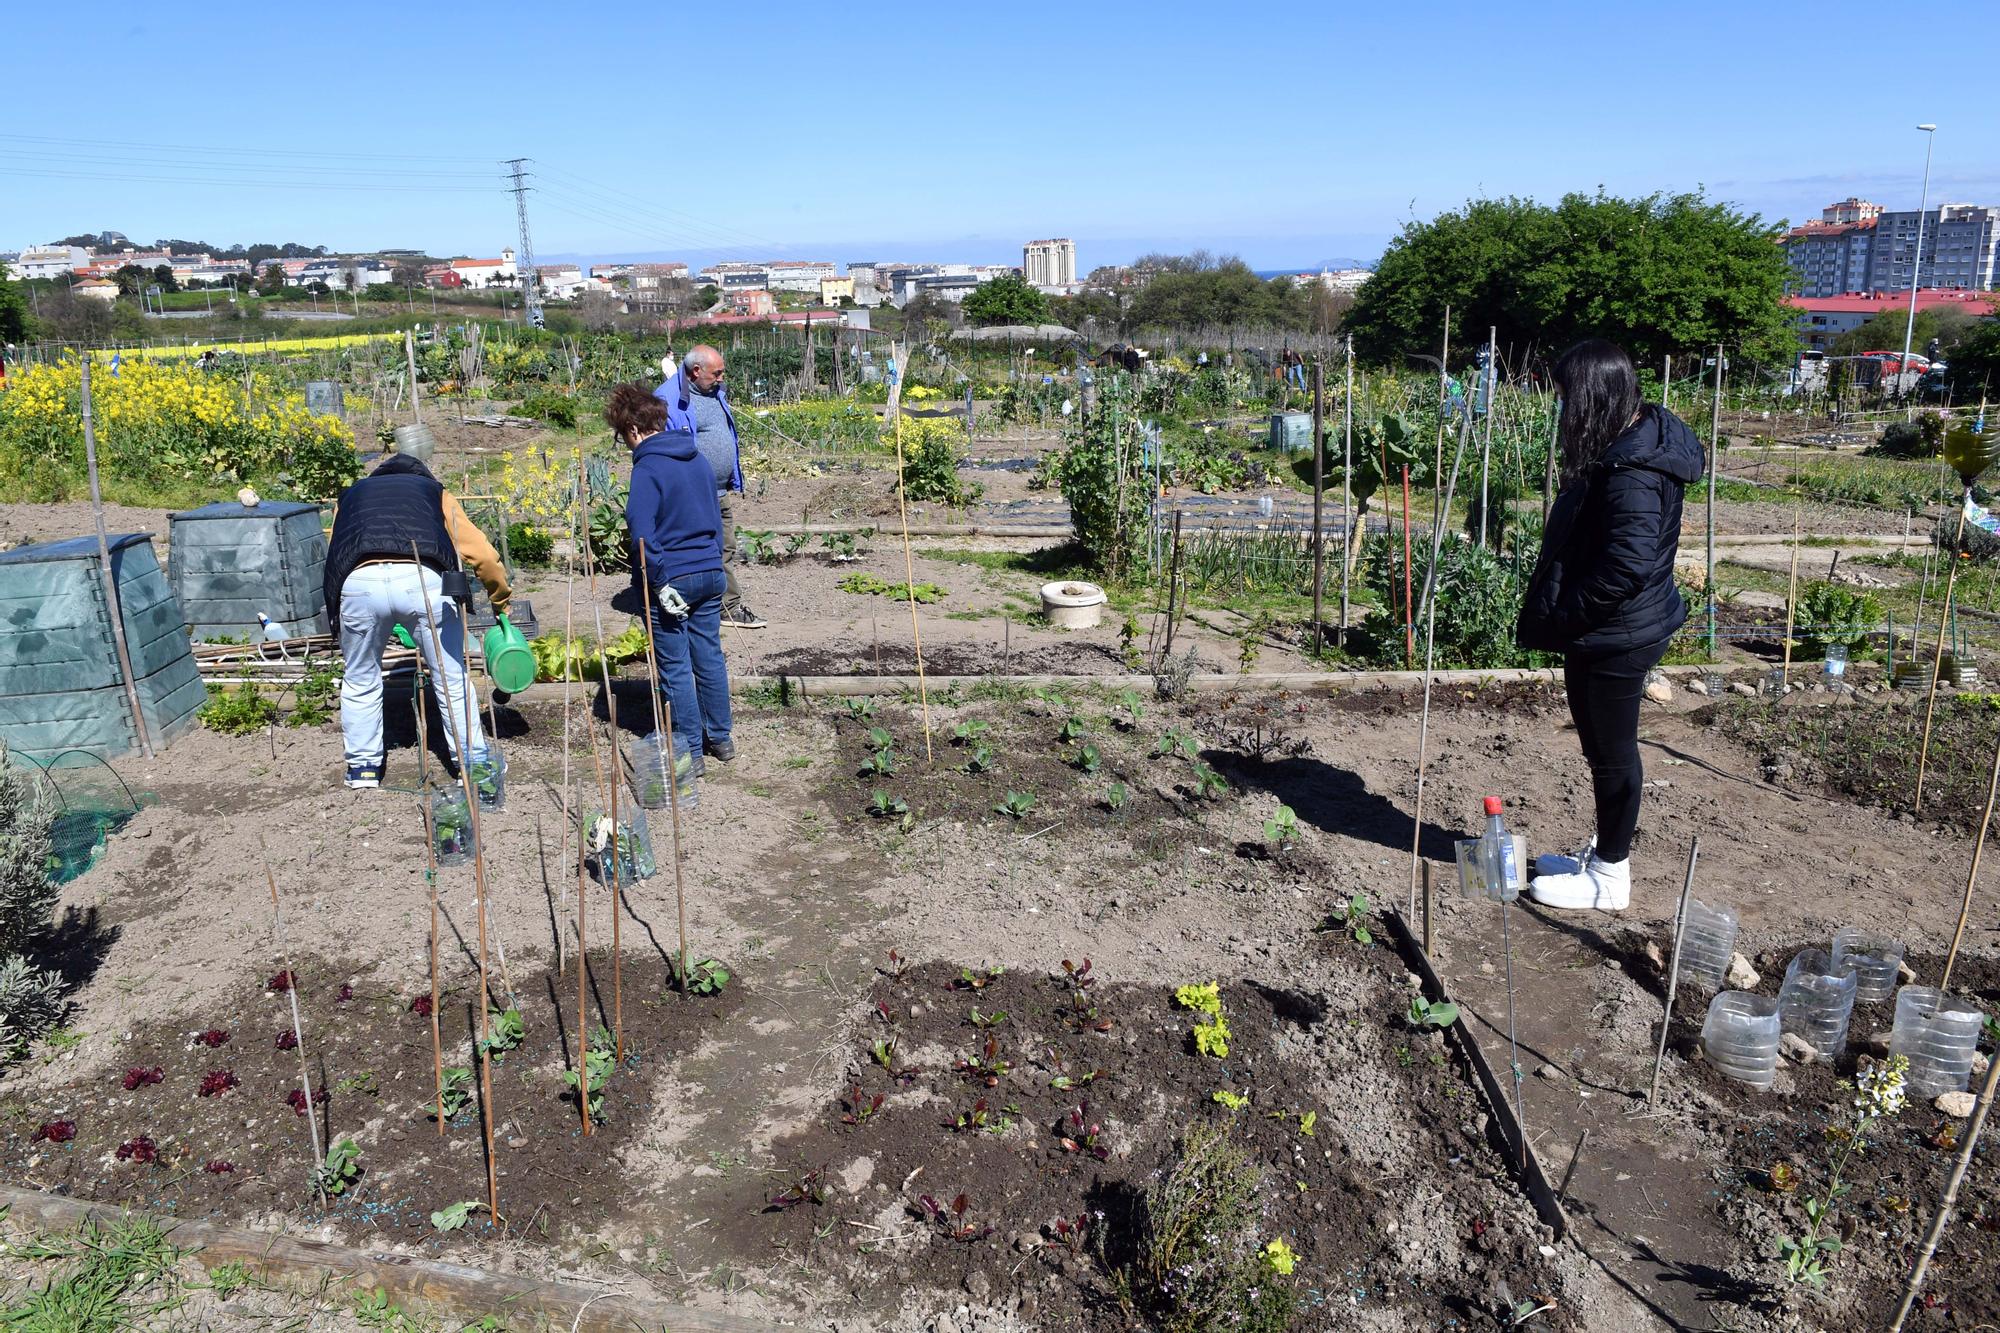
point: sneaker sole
(363, 784)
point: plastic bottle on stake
(1498, 865)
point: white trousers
(374, 598)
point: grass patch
(98, 1279)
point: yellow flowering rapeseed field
(539, 485)
(166, 424)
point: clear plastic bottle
(653, 770)
(1817, 1001)
(1937, 1033)
(1499, 858)
(1708, 938)
(489, 779)
(1875, 958)
(451, 827)
(1740, 1036)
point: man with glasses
(699, 387)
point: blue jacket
(671, 507)
(676, 394)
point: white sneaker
(1604, 886)
(1552, 863)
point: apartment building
(1050, 263)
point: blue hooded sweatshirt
(672, 509)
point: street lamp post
(1917, 267)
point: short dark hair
(633, 407)
(1600, 396)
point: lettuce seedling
(138, 1077)
(141, 1150)
(881, 805)
(1089, 758)
(980, 760)
(55, 1131)
(280, 982)
(287, 1040)
(1082, 1014)
(970, 731)
(1424, 1014)
(212, 1038)
(861, 709)
(1072, 731)
(216, 1082)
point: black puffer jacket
(1605, 580)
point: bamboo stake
(1792, 592)
(1409, 609)
(615, 879)
(910, 588)
(1319, 499)
(1972, 876)
(577, 533)
(479, 884)
(112, 601)
(298, 1028)
(582, 975)
(1430, 662)
(430, 874)
(1966, 1149)
(665, 728)
(1674, 969)
(1346, 488)
(1444, 399)
(1937, 658)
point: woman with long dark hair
(1603, 596)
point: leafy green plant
(315, 697)
(457, 1094)
(970, 731)
(1477, 597)
(880, 763)
(860, 709)
(1349, 918)
(884, 806)
(1177, 742)
(1209, 785)
(980, 760)
(1424, 1014)
(238, 712)
(807, 1188)
(1115, 797)
(863, 582)
(988, 1020)
(1089, 758)
(705, 976)
(1829, 614)
(1072, 731)
(1235, 1101)
(1211, 1030)
(504, 1032)
(1880, 1093)
(609, 536)
(1282, 827)
(598, 1063)
(861, 1106)
(453, 1216)
(1128, 642)
(986, 1066)
(1016, 804)
(982, 1118)
(930, 463)
(341, 1168)
(756, 547)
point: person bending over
(671, 509)
(395, 533)
(1603, 596)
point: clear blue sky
(928, 131)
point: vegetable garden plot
(1005, 1131)
(204, 1115)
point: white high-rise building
(1049, 263)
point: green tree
(1658, 274)
(1950, 326)
(163, 278)
(1198, 290)
(1975, 363)
(13, 310)
(131, 279)
(1007, 300)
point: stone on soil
(1794, 1047)
(1659, 691)
(1957, 1105)
(1741, 975)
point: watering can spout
(510, 663)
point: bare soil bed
(1407, 1219)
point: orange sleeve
(475, 550)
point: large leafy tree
(1197, 291)
(13, 310)
(1660, 274)
(1006, 300)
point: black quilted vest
(379, 518)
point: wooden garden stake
(1319, 499)
(1438, 510)
(664, 727)
(298, 1028)
(910, 585)
(479, 884)
(1430, 660)
(615, 878)
(430, 872)
(1173, 585)
(1409, 610)
(1429, 875)
(1972, 876)
(1674, 969)
(1966, 1148)
(1792, 593)
(1937, 659)
(1346, 487)
(1513, 1046)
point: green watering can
(510, 663)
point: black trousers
(1604, 694)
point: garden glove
(672, 602)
